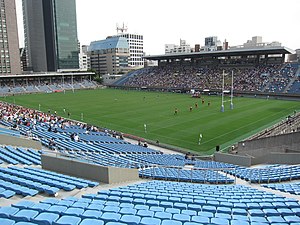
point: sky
(167, 21)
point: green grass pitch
(128, 111)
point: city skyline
(166, 22)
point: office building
(84, 58)
(183, 47)
(9, 41)
(110, 56)
(50, 30)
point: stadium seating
(31, 181)
(146, 203)
(292, 188)
(262, 78)
(269, 174)
(19, 156)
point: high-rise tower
(50, 30)
(9, 41)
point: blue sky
(167, 21)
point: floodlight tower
(231, 97)
(222, 104)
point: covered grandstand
(255, 71)
(45, 82)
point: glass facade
(66, 34)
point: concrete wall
(233, 159)
(19, 141)
(85, 170)
(278, 158)
(264, 146)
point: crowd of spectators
(263, 78)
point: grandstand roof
(230, 52)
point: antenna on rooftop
(121, 29)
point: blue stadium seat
(67, 220)
(25, 215)
(91, 222)
(150, 221)
(5, 221)
(8, 211)
(45, 218)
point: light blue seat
(64, 203)
(181, 217)
(6, 212)
(180, 205)
(253, 205)
(115, 223)
(67, 220)
(218, 221)
(200, 219)
(82, 205)
(45, 218)
(222, 209)
(189, 212)
(111, 209)
(206, 214)
(163, 215)
(40, 207)
(5, 221)
(150, 221)
(141, 207)
(130, 219)
(223, 215)
(126, 205)
(208, 208)
(7, 194)
(23, 204)
(171, 222)
(51, 201)
(172, 210)
(128, 211)
(291, 219)
(275, 219)
(95, 207)
(271, 212)
(239, 222)
(240, 217)
(152, 202)
(296, 211)
(110, 217)
(196, 207)
(239, 211)
(93, 214)
(126, 199)
(91, 222)
(145, 213)
(57, 209)
(157, 209)
(256, 212)
(259, 219)
(73, 211)
(25, 215)
(287, 212)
